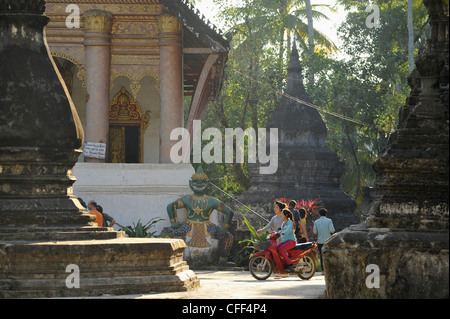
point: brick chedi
(406, 232)
(307, 168)
(43, 227)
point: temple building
(135, 71)
(128, 68)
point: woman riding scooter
(276, 221)
(288, 240)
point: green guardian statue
(197, 225)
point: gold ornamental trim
(169, 24)
(81, 68)
(135, 85)
(125, 109)
(98, 21)
(200, 176)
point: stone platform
(411, 264)
(115, 266)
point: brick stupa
(307, 168)
(401, 250)
(44, 231)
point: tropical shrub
(140, 230)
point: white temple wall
(132, 192)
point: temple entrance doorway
(124, 144)
(127, 124)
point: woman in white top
(276, 221)
(275, 225)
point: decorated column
(171, 81)
(97, 41)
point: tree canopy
(365, 79)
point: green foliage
(365, 81)
(247, 250)
(140, 230)
(253, 233)
(265, 29)
(368, 84)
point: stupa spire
(307, 168)
(295, 80)
(294, 116)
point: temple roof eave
(198, 26)
(206, 51)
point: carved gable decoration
(124, 109)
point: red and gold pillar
(171, 81)
(97, 42)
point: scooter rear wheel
(260, 267)
(309, 270)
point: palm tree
(310, 26)
(293, 16)
(310, 36)
(412, 5)
(282, 19)
(260, 30)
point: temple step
(58, 233)
(116, 266)
(44, 288)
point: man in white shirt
(323, 228)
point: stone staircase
(40, 237)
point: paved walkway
(241, 285)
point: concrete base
(411, 264)
(116, 266)
(201, 256)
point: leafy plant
(247, 250)
(253, 233)
(254, 237)
(140, 230)
(311, 206)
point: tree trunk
(410, 36)
(310, 26)
(310, 37)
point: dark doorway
(132, 144)
(124, 143)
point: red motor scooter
(267, 260)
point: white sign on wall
(94, 150)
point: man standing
(92, 206)
(323, 228)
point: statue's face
(198, 186)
